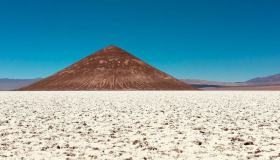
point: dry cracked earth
(140, 125)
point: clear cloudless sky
(220, 40)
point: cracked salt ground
(140, 125)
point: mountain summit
(111, 68)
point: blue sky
(202, 39)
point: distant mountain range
(209, 84)
(259, 83)
(269, 80)
(12, 84)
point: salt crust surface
(140, 125)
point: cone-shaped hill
(109, 69)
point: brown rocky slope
(110, 69)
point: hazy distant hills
(12, 84)
(260, 83)
(269, 80)
(209, 84)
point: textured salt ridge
(139, 125)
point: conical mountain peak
(110, 68)
(113, 47)
(111, 51)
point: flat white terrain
(140, 125)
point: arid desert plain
(144, 125)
